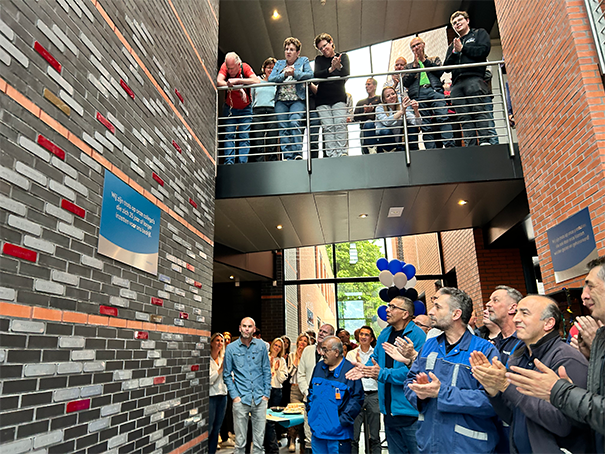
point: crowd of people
(439, 385)
(410, 102)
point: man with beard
(455, 413)
(502, 306)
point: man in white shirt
(370, 412)
(310, 356)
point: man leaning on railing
(237, 112)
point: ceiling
(247, 27)
(250, 224)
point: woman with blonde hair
(279, 373)
(389, 119)
(302, 341)
(218, 390)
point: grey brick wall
(95, 355)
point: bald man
(423, 322)
(535, 425)
(247, 374)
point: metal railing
(297, 131)
(595, 10)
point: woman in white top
(279, 370)
(218, 390)
(389, 119)
(296, 396)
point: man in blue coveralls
(333, 401)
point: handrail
(264, 126)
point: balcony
(331, 200)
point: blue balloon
(409, 270)
(395, 266)
(403, 292)
(384, 295)
(419, 308)
(382, 264)
(382, 313)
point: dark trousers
(217, 408)
(472, 111)
(323, 446)
(370, 413)
(270, 442)
(315, 124)
(434, 114)
(401, 439)
(264, 134)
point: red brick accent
(44, 142)
(72, 207)
(105, 122)
(19, 252)
(46, 55)
(77, 405)
(558, 102)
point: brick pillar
(557, 96)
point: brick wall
(98, 356)
(558, 101)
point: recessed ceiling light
(363, 215)
(231, 277)
(395, 212)
(462, 202)
(275, 15)
(279, 227)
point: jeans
(289, 115)
(434, 114)
(258, 415)
(264, 134)
(237, 124)
(492, 133)
(335, 132)
(270, 441)
(401, 440)
(368, 131)
(474, 119)
(323, 446)
(217, 408)
(386, 139)
(371, 411)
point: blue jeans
(323, 446)
(217, 407)
(401, 440)
(434, 114)
(368, 132)
(289, 115)
(237, 124)
(493, 140)
(385, 139)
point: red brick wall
(558, 97)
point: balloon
(383, 293)
(393, 292)
(400, 280)
(382, 323)
(409, 270)
(386, 278)
(412, 294)
(419, 308)
(382, 313)
(382, 264)
(394, 266)
(411, 283)
(402, 292)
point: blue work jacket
(302, 71)
(461, 418)
(333, 402)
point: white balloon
(382, 323)
(400, 280)
(411, 283)
(386, 278)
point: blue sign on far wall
(130, 226)
(572, 246)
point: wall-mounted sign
(310, 317)
(572, 246)
(130, 226)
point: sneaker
(484, 143)
(292, 447)
(298, 158)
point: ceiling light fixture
(462, 202)
(395, 212)
(231, 277)
(279, 227)
(275, 15)
(363, 215)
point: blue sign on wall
(130, 226)
(572, 246)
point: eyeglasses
(392, 306)
(433, 298)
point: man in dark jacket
(333, 401)
(535, 425)
(471, 46)
(583, 405)
(427, 88)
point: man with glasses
(311, 355)
(399, 415)
(423, 322)
(333, 401)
